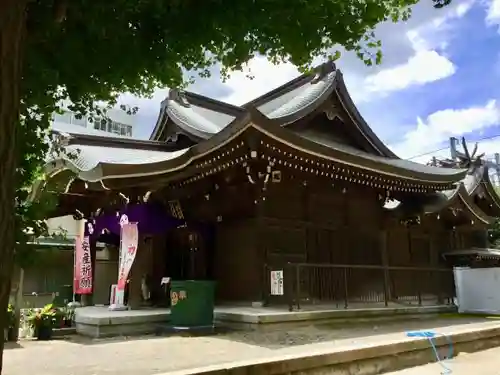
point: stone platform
(99, 321)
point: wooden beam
(385, 264)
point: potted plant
(10, 324)
(67, 316)
(42, 321)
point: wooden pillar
(484, 238)
(453, 240)
(159, 250)
(385, 264)
(434, 260)
(458, 239)
(141, 267)
(261, 246)
(433, 250)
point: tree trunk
(12, 30)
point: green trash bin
(192, 303)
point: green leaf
(85, 52)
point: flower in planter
(45, 316)
(68, 314)
(42, 321)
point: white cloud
(425, 63)
(422, 68)
(437, 32)
(428, 64)
(493, 12)
(265, 77)
(437, 128)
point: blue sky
(439, 79)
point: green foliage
(45, 316)
(31, 224)
(11, 316)
(494, 230)
(494, 234)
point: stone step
(368, 357)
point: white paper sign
(277, 283)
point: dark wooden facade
(303, 225)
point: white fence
(478, 290)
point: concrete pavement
(154, 355)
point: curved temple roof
(212, 124)
(112, 160)
(200, 117)
(463, 194)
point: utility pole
(497, 169)
(453, 148)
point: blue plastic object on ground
(430, 335)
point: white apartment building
(117, 122)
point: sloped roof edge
(359, 120)
(490, 188)
(179, 107)
(119, 163)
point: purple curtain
(151, 218)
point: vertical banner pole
(129, 240)
(117, 300)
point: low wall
(270, 321)
(364, 359)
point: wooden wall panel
(239, 264)
(398, 247)
(284, 243)
(329, 209)
(283, 201)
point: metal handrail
(293, 281)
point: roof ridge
(115, 142)
(322, 69)
(202, 100)
(209, 103)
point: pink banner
(83, 266)
(128, 250)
